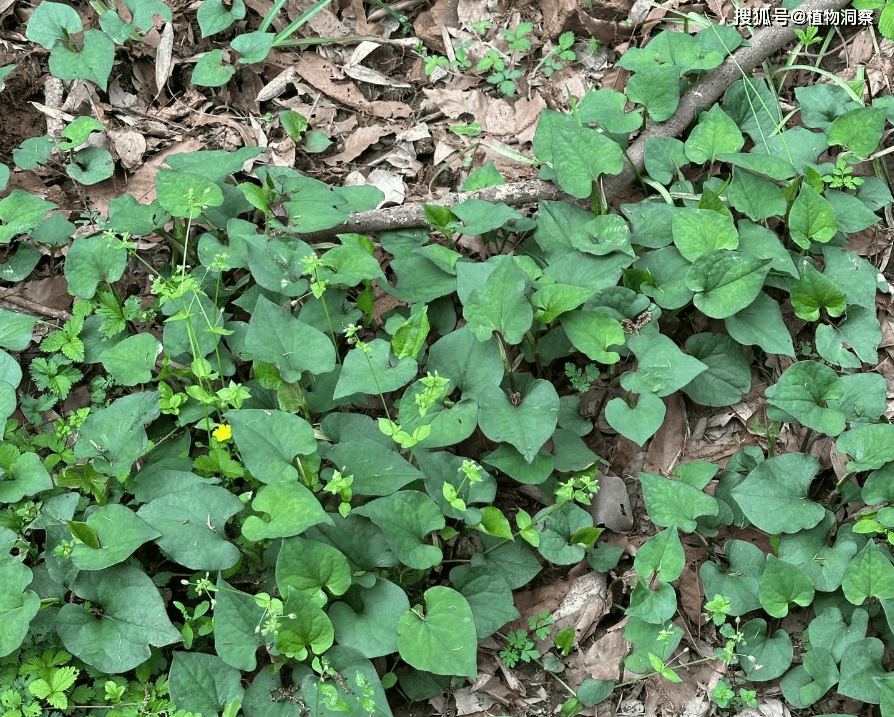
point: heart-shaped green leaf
(92, 259)
(815, 291)
(673, 502)
(639, 423)
(811, 218)
(714, 134)
(663, 555)
(441, 639)
(580, 156)
(374, 369)
(803, 392)
(309, 566)
(725, 282)
(191, 522)
(870, 446)
(237, 614)
(269, 440)
(526, 426)
(500, 305)
(783, 584)
(661, 367)
(93, 62)
(291, 508)
(133, 618)
(277, 337)
(368, 619)
(774, 495)
(697, 231)
(119, 531)
(204, 684)
(592, 332)
(870, 574)
(407, 517)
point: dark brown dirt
(19, 120)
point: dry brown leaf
(129, 146)
(164, 56)
(586, 603)
(323, 23)
(690, 586)
(602, 661)
(357, 143)
(611, 505)
(319, 73)
(666, 445)
(429, 24)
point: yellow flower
(223, 433)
